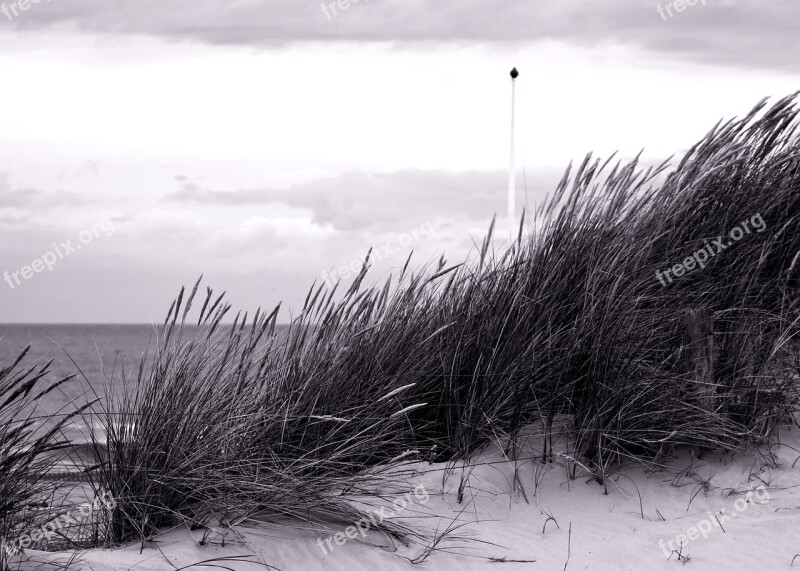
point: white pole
(512, 178)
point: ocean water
(92, 347)
(103, 356)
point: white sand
(607, 531)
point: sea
(104, 358)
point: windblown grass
(29, 448)
(213, 435)
(569, 321)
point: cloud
(88, 168)
(32, 198)
(14, 221)
(15, 197)
(367, 201)
(716, 31)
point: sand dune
(499, 529)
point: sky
(266, 144)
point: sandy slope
(607, 530)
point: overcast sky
(263, 142)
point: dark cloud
(760, 33)
(32, 197)
(15, 197)
(18, 197)
(193, 192)
(14, 221)
(362, 200)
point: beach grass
(572, 320)
(31, 446)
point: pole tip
(514, 73)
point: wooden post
(700, 326)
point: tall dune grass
(215, 432)
(30, 447)
(570, 320)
